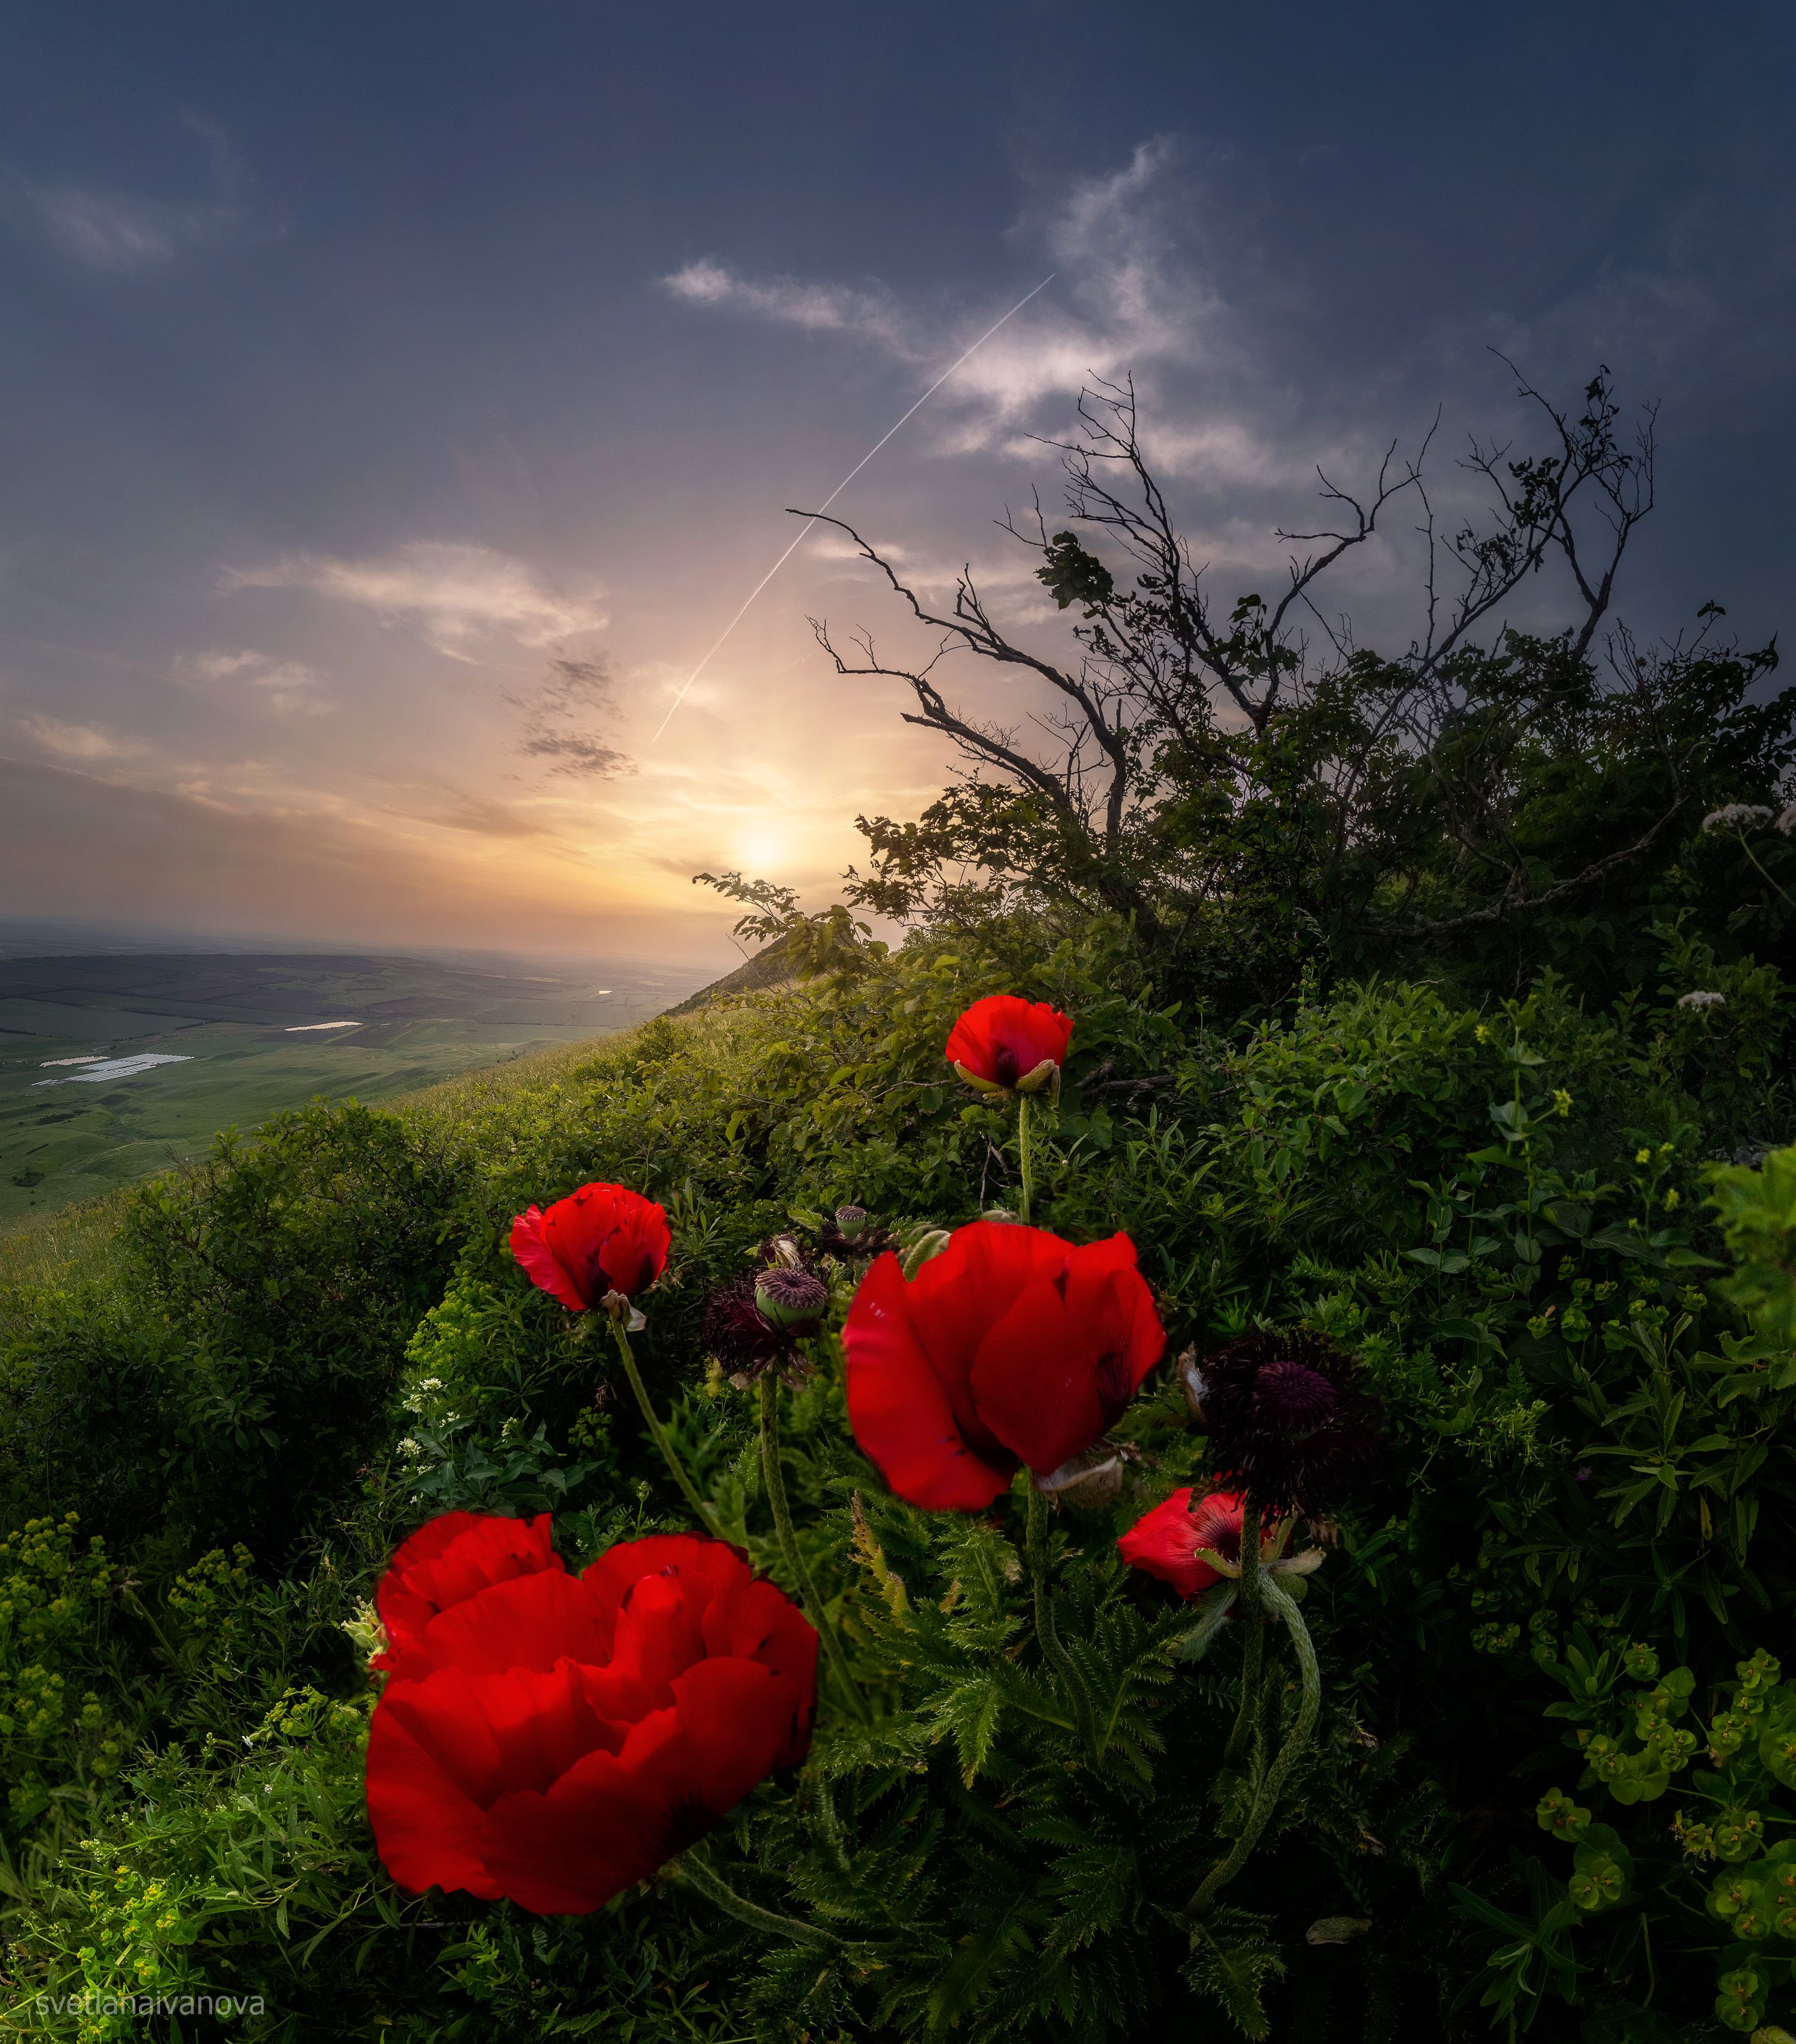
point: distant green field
(243, 1031)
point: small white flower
(509, 1430)
(410, 1449)
(1702, 999)
(1735, 812)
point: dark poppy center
(1004, 1066)
(1292, 1401)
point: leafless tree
(1157, 663)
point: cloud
(817, 308)
(77, 741)
(288, 686)
(453, 594)
(102, 228)
(559, 716)
(1135, 292)
(461, 809)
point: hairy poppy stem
(775, 1477)
(663, 1440)
(1024, 1162)
(694, 1872)
(1279, 1601)
(1253, 1648)
(1047, 1630)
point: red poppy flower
(1003, 1044)
(555, 1738)
(1165, 1543)
(1011, 1347)
(451, 1559)
(602, 1239)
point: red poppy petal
(699, 1564)
(898, 1406)
(450, 1559)
(657, 1636)
(1104, 1289)
(598, 1830)
(736, 1722)
(1035, 1379)
(531, 1622)
(427, 1829)
(540, 1264)
(958, 1296)
(1165, 1544)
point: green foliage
(1587, 1501)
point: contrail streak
(836, 492)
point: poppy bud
(794, 1301)
(925, 1247)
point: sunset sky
(400, 399)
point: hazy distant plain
(243, 1027)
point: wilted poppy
(755, 1322)
(1290, 1418)
(1166, 1542)
(601, 1238)
(1009, 1347)
(554, 1739)
(1005, 1044)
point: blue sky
(401, 399)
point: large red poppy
(555, 1738)
(1165, 1543)
(1011, 1347)
(447, 1560)
(1005, 1044)
(601, 1238)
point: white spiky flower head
(1703, 999)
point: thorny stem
(775, 1477)
(663, 1440)
(690, 1868)
(1047, 1631)
(1024, 1162)
(1253, 1648)
(1279, 1600)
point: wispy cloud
(1128, 297)
(560, 720)
(89, 742)
(102, 227)
(454, 595)
(289, 687)
(817, 308)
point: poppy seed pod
(793, 1301)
